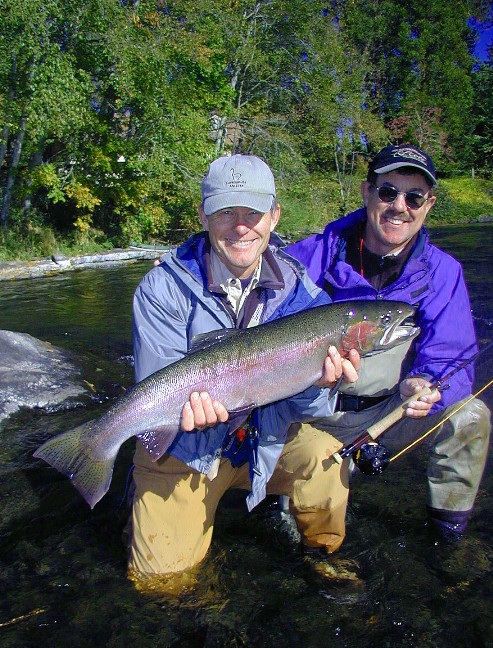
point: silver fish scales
(243, 369)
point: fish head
(374, 326)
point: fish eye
(386, 319)
(350, 314)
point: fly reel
(371, 458)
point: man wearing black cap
(382, 251)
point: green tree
(107, 116)
(153, 124)
(111, 110)
(44, 97)
(479, 150)
(421, 66)
(297, 91)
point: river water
(63, 566)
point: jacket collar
(270, 274)
(340, 273)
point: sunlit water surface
(63, 566)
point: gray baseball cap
(238, 181)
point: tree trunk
(36, 160)
(3, 144)
(12, 171)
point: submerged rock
(34, 373)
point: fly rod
(375, 430)
(445, 418)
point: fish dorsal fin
(206, 340)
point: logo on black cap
(410, 153)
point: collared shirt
(236, 290)
(244, 302)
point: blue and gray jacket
(172, 305)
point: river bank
(56, 264)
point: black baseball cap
(394, 157)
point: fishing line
(441, 422)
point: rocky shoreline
(56, 264)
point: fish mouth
(400, 330)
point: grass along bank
(306, 208)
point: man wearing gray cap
(234, 274)
(382, 251)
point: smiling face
(239, 236)
(391, 226)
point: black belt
(350, 403)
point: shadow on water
(63, 566)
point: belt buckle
(349, 403)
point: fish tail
(67, 454)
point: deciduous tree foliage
(111, 110)
(479, 146)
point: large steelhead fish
(242, 368)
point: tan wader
(174, 506)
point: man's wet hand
(335, 367)
(423, 404)
(200, 411)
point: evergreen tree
(421, 67)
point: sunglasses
(414, 200)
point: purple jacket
(432, 280)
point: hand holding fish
(422, 405)
(201, 411)
(336, 366)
